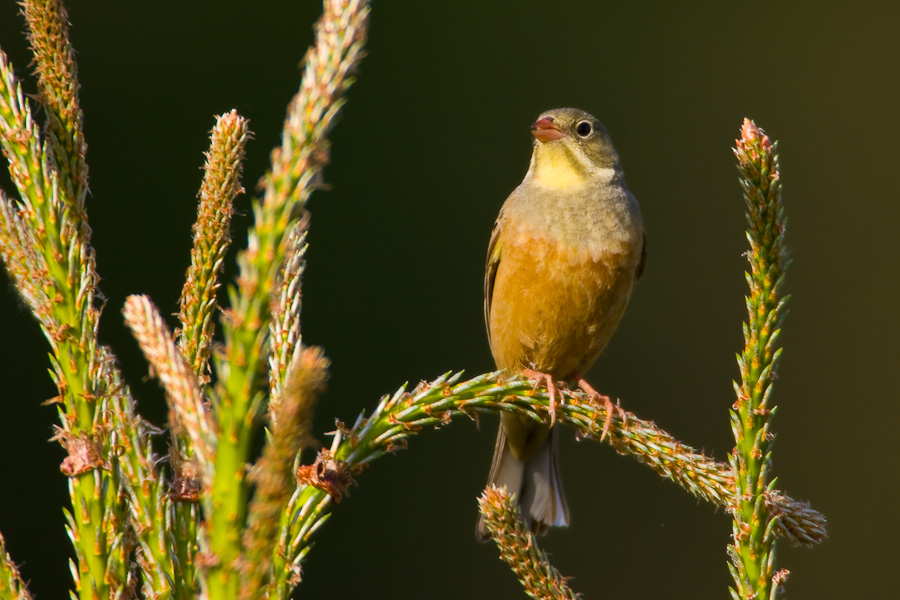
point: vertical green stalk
(229, 506)
(50, 173)
(221, 184)
(753, 550)
(296, 169)
(12, 587)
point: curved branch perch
(398, 417)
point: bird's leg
(539, 377)
(610, 407)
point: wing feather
(640, 268)
(490, 272)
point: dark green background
(433, 138)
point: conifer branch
(192, 415)
(290, 426)
(198, 310)
(755, 519)
(58, 87)
(398, 417)
(48, 255)
(12, 587)
(221, 184)
(296, 169)
(519, 548)
(284, 328)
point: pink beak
(545, 130)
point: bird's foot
(610, 407)
(537, 378)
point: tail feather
(542, 492)
(536, 483)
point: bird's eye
(584, 129)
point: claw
(552, 390)
(610, 407)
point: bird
(563, 258)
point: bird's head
(570, 148)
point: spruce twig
(12, 587)
(45, 245)
(289, 433)
(58, 87)
(297, 377)
(296, 169)
(519, 548)
(192, 415)
(403, 414)
(755, 518)
(198, 304)
(221, 184)
(284, 328)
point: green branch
(44, 241)
(519, 548)
(295, 171)
(12, 587)
(753, 550)
(398, 417)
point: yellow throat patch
(557, 169)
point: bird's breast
(600, 217)
(559, 292)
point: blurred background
(433, 138)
